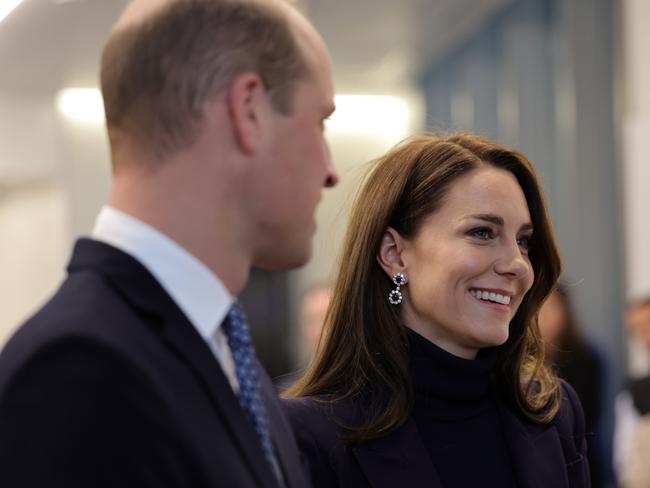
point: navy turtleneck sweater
(457, 417)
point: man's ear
(248, 108)
(390, 252)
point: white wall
(33, 248)
(54, 176)
(636, 162)
(636, 149)
(28, 139)
(33, 206)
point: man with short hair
(140, 371)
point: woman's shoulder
(301, 406)
(319, 417)
(570, 415)
(570, 424)
(318, 424)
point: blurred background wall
(565, 81)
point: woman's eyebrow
(493, 219)
(496, 220)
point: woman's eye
(524, 242)
(483, 233)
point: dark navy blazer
(543, 456)
(109, 385)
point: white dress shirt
(198, 292)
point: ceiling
(381, 45)
(47, 45)
(377, 45)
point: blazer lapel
(399, 459)
(134, 282)
(535, 451)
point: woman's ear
(389, 256)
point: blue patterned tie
(250, 395)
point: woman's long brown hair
(363, 352)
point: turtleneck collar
(448, 386)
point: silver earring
(395, 296)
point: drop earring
(395, 296)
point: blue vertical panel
(563, 198)
(592, 44)
(597, 260)
(437, 87)
(461, 89)
(508, 83)
(462, 95)
(483, 77)
(530, 36)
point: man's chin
(285, 261)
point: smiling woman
(468, 263)
(430, 370)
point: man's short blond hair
(158, 73)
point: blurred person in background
(313, 310)
(430, 371)
(140, 372)
(579, 363)
(312, 316)
(632, 423)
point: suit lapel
(134, 282)
(192, 349)
(398, 459)
(535, 452)
(282, 435)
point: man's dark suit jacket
(543, 456)
(110, 385)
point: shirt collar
(197, 291)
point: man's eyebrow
(496, 220)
